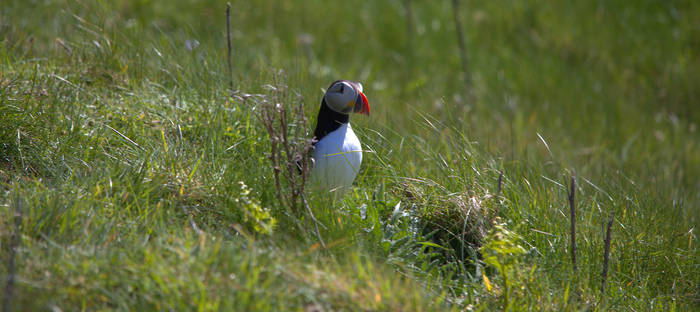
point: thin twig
(572, 205)
(228, 43)
(311, 214)
(606, 256)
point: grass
(140, 184)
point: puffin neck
(328, 121)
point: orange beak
(362, 104)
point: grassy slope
(107, 223)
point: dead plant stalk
(572, 206)
(606, 255)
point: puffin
(337, 152)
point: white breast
(337, 159)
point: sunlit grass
(124, 155)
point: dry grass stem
(228, 44)
(572, 206)
(606, 255)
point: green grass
(121, 155)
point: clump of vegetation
(283, 118)
(456, 222)
(254, 215)
(503, 251)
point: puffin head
(345, 97)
